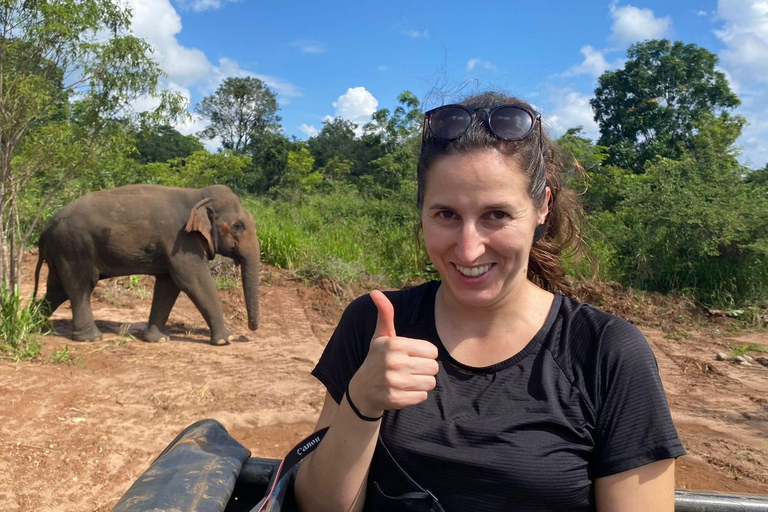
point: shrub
(20, 325)
(341, 236)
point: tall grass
(19, 325)
(341, 236)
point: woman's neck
(491, 334)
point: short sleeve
(348, 347)
(634, 424)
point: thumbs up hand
(398, 372)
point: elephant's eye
(238, 227)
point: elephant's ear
(200, 221)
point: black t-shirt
(581, 401)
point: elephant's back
(131, 204)
(144, 218)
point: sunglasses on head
(505, 122)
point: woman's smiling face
(478, 223)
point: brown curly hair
(543, 167)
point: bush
(691, 226)
(20, 325)
(341, 236)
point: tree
(163, 143)
(693, 224)
(758, 177)
(299, 173)
(51, 51)
(241, 110)
(398, 127)
(269, 155)
(393, 140)
(336, 140)
(651, 106)
(198, 170)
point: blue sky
(333, 58)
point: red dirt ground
(75, 435)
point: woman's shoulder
(588, 339)
(584, 321)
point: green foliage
(49, 140)
(741, 350)
(163, 143)
(198, 170)
(19, 325)
(341, 236)
(300, 174)
(134, 285)
(651, 107)
(269, 154)
(62, 356)
(759, 177)
(241, 110)
(693, 225)
(336, 140)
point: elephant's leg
(83, 326)
(55, 295)
(78, 281)
(164, 297)
(197, 283)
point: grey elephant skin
(170, 233)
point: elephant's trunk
(250, 273)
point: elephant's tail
(40, 259)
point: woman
(490, 390)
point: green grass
(740, 350)
(134, 284)
(343, 237)
(62, 356)
(363, 242)
(20, 325)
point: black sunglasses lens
(449, 123)
(511, 123)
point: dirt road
(74, 435)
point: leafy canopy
(240, 111)
(68, 70)
(651, 107)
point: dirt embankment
(75, 435)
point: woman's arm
(397, 372)
(333, 477)
(649, 487)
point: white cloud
(473, 63)
(594, 63)
(157, 22)
(201, 5)
(356, 105)
(187, 68)
(632, 24)
(228, 67)
(745, 34)
(571, 109)
(702, 13)
(415, 34)
(307, 46)
(744, 59)
(309, 130)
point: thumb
(385, 323)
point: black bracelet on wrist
(356, 411)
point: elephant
(170, 233)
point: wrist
(361, 411)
